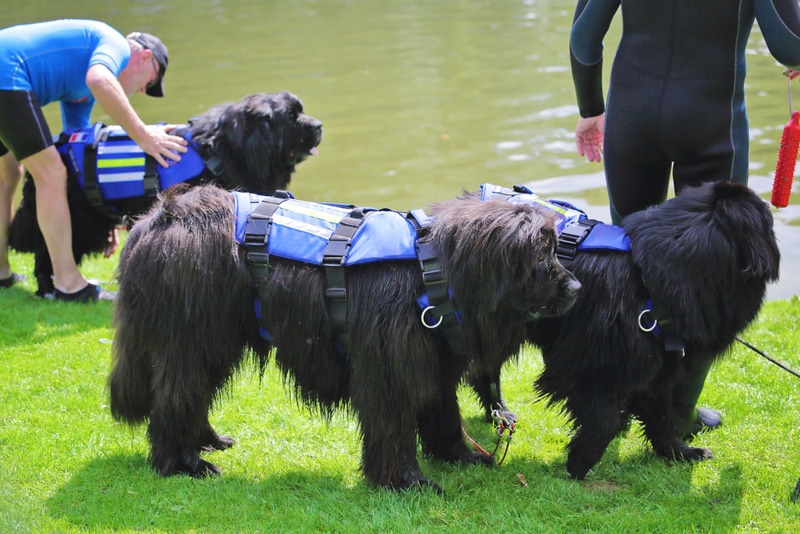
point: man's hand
(161, 145)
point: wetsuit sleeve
(589, 27)
(779, 21)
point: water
(420, 99)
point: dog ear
(747, 221)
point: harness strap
(441, 310)
(571, 237)
(663, 326)
(150, 176)
(256, 232)
(90, 185)
(333, 259)
(213, 163)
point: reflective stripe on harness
(110, 166)
(256, 239)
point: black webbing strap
(213, 163)
(441, 310)
(666, 328)
(151, 185)
(333, 260)
(90, 185)
(256, 233)
(571, 237)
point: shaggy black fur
(185, 319)
(259, 140)
(704, 258)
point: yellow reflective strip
(113, 163)
(330, 214)
(554, 207)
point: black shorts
(23, 128)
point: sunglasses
(157, 70)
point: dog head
(500, 259)
(259, 140)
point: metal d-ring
(651, 327)
(422, 318)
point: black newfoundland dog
(185, 320)
(252, 145)
(698, 266)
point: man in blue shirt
(77, 63)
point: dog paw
(578, 469)
(194, 466)
(685, 453)
(701, 454)
(218, 443)
(204, 469)
(412, 479)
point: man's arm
(112, 99)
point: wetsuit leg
(705, 131)
(637, 170)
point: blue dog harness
(330, 235)
(575, 231)
(335, 236)
(110, 166)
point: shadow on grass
(28, 319)
(121, 492)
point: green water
(419, 99)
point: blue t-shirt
(51, 59)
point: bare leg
(10, 173)
(50, 177)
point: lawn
(69, 467)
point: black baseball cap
(154, 44)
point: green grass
(68, 467)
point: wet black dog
(252, 145)
(185, 319)
(700, 263)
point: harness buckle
(572, 236)
(336, 251)
(433, 276)
(336, 293)
(258, 258)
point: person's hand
(113, 242)
(161, 145)
(589, 137)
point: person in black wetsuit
(675, 106)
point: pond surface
(420, 99)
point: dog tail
(23, 233)
(184, 312)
